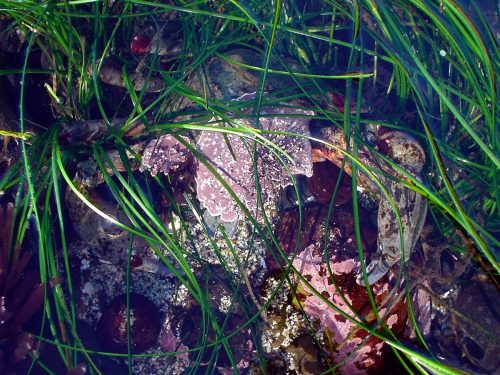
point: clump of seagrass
(21, 294)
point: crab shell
(392, 243)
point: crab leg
(391, 244)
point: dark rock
(477, 326)
(323, 182)
(144, 320)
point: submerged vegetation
(266, 282)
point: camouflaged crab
(411, 207)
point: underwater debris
(240, 345)
(112, 74)
(87, 131)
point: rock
(477, 328)
(144, 321)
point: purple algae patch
(166, 155)
(235, 163)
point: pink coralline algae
(332, 273)
(343, 337)
(233, 158)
